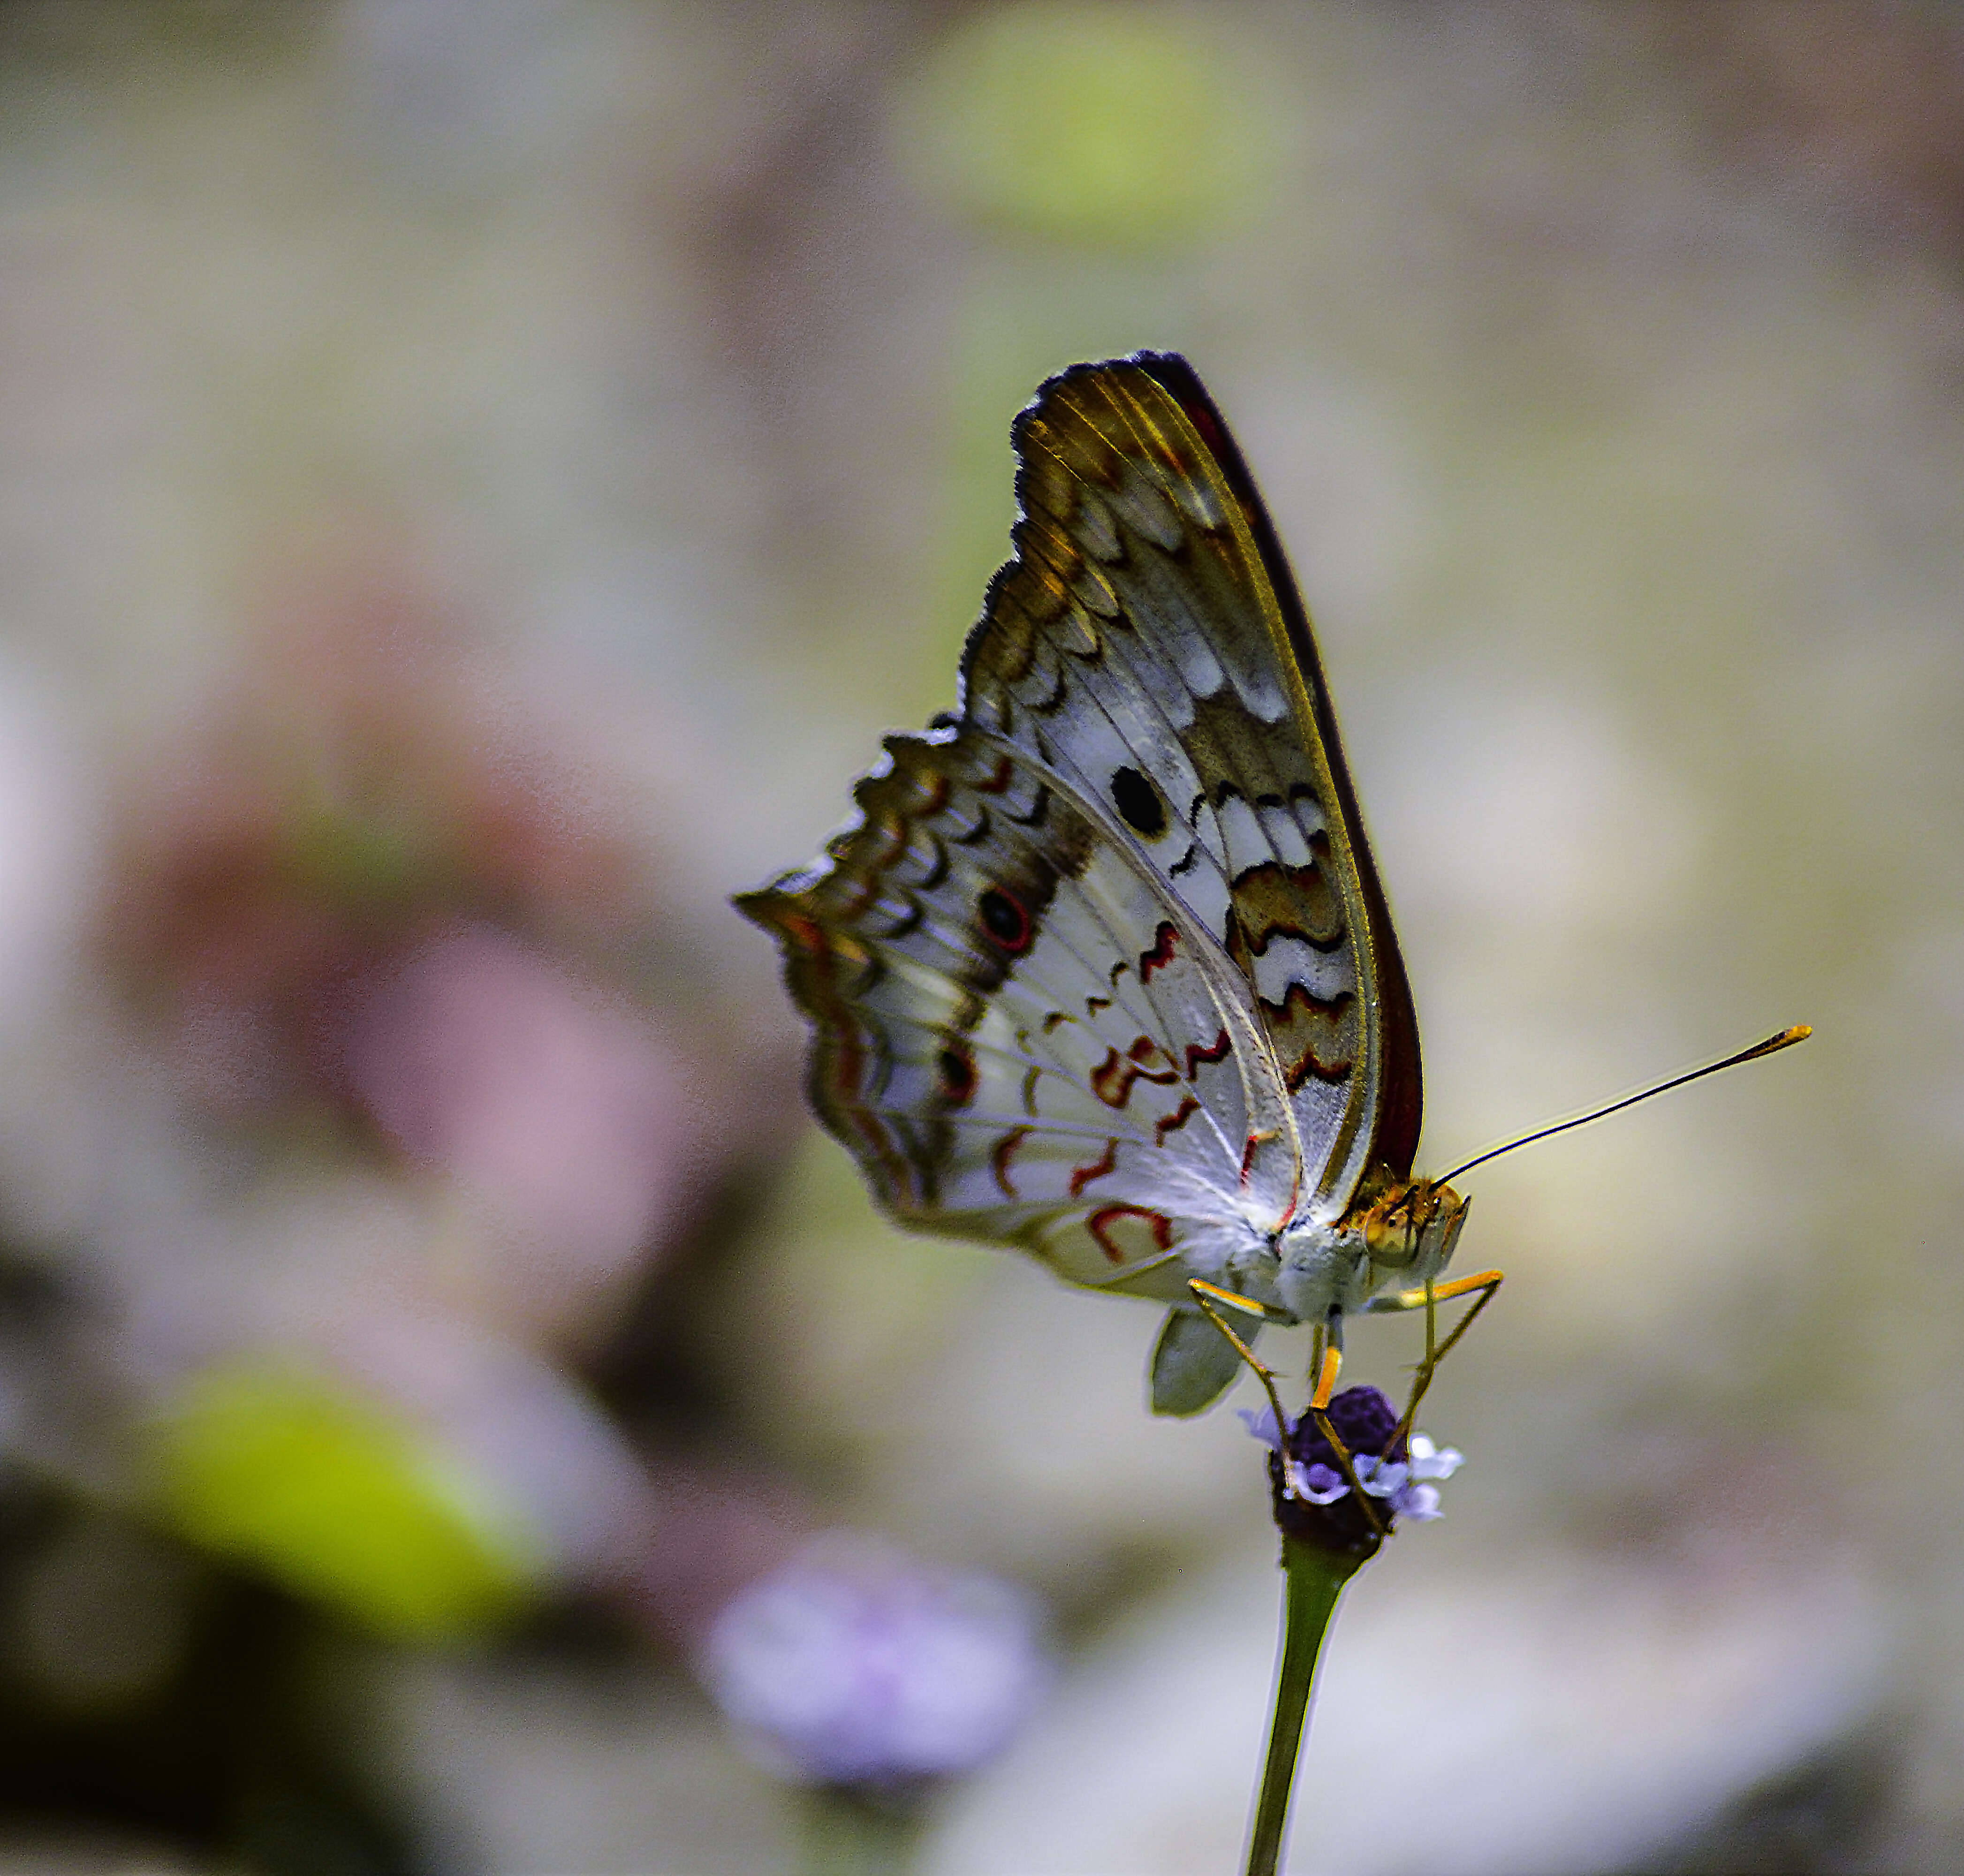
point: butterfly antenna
(1785, 1040)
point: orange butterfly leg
(1331, 1361)
(1482, 1285)
(1208, 1295)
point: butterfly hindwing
(1020, 1033)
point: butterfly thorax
(1397, 1231)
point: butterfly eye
(1390, 1231)
(1005, 920)
(1139, 802)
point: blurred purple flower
(854, 1664)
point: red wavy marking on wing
(1195, 1054)
(1101, 1221)
(1169, 1123)
(1164, 941)
(1082, 1175)
(1111, 1080)
(1005, 1151)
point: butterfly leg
(1326, 1356)
(1480, 1287)
(1212, 1300)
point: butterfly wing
(1147, 642)
(1019, 1031)
(1103, 969)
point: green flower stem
(850, 1834)
(1314, 1578)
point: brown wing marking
(1310, 1035)
(1272, 901)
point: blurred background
(478, 476)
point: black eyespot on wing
(1005, 920)
(958, 1075)
(1139, 802)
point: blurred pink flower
(387, 884)
(369, 779)
(558, 1109)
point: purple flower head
(1314, 1499)
(854, 1664)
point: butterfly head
(1409, 1229)
(1400, 1232)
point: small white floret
(1428, 1462)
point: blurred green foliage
(1118, 127)
(299, 1478)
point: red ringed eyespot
(1005, 920)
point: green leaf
(297, 1476)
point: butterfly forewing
(1147, 638)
